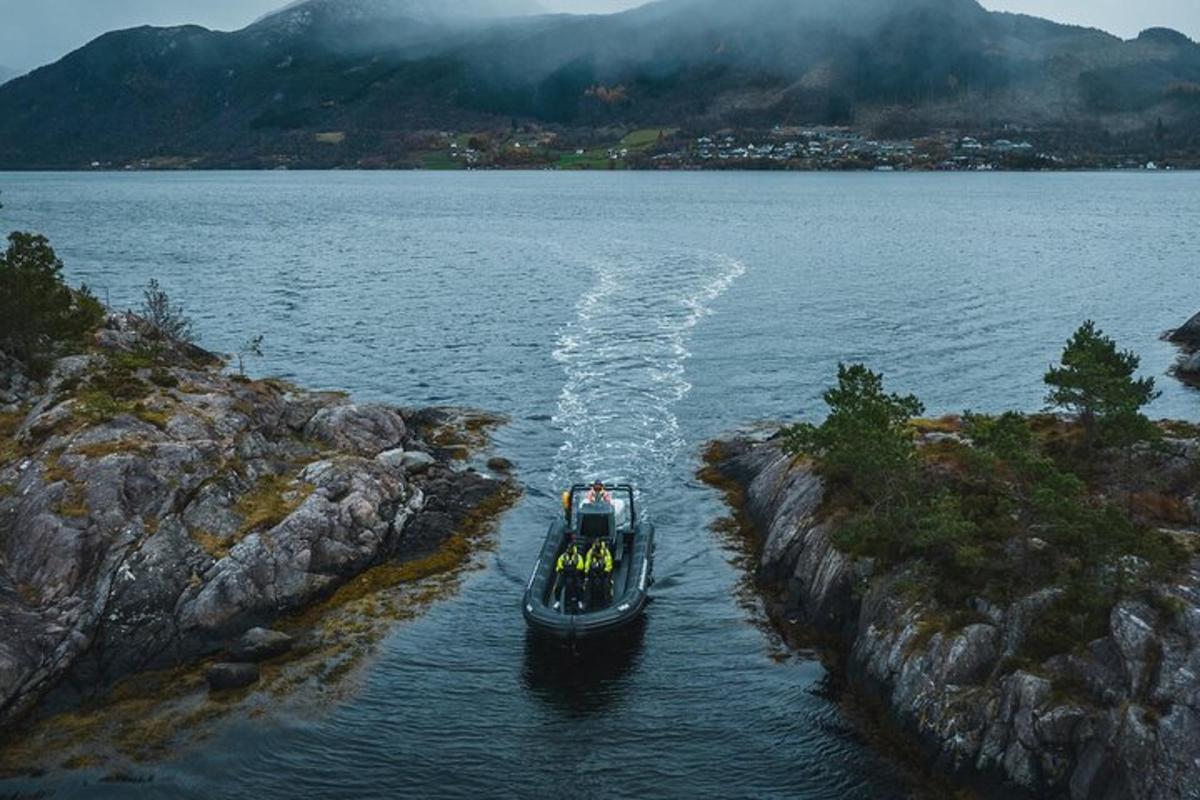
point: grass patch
(440, 160)
(1179, 429)
(471, 431)
(216, 546)
(54, 472)
(98, 405)
(133, 360)
(159, 419)
(270, 503)
(10, 424)
(948, 424)
(103, 449)
(645, 137)
(73, 510)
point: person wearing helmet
(599, 569)
(568, 581)
(598, 494)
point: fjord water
(620, 321)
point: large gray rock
(363, 430)
(161, 534)
(1189, 367)
(413, 462)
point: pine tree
(39, 313)
(1096, 382)
(864, 443)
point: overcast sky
(35, 32)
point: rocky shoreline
(1119, 718)
(156, 512)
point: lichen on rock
(154, 509)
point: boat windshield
(620, 506)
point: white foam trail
(624, 359)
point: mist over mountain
(379, 70)
(7, 74)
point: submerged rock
(146, 524)
(1129, 727)
(260, 644)
(500, 464)
(222, 677)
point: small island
(166, 523)
(1019, 594)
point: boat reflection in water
(586, 675)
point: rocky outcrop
(151, 514)
(1188, 335)
(1119, 720)
(1188, 339)
(1188, 367)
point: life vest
(602, 497)
(570, 560)
(599, 556)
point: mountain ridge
(382, 70)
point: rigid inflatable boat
(610, 515)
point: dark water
(621, 320)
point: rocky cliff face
(1120, 719)
(152, 513)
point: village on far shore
(795, 148)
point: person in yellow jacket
(599, 569)
(568, 581)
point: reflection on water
(582, 677)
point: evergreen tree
(38, 312)
(163, 320)
(1096, 382)
(865, 442)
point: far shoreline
(525, 170)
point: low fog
(36, 33)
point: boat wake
(624, 357)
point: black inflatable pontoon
(631, 540)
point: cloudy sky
(35, 32)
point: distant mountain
(7, 74)
(379, 70)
